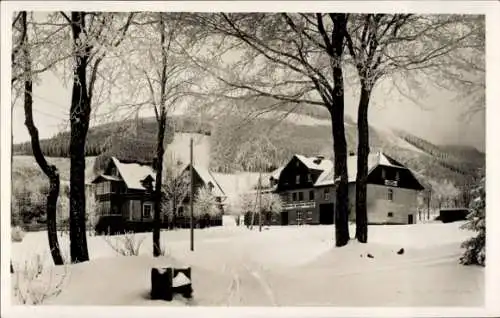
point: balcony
(299, 205)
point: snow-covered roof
(276, 173)
(207, 178)
(106, 177)
(374, 160)
(237, 183)
(311, 163)
(134, 173)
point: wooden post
(260, 202)
(191, 196)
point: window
(105, 208)
(301, 196)
(309, 178)
(383, 173)
(102, 188)
(390, 194)
(146, 210)
(297, 179)
(294, 196)
(390, 214)
(397, 175)
(311, 195)
(300, 217)
(180, 211)
(326, 194)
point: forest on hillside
(134, 140)
(135, 137)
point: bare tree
(261, 153)
(383, 45)
(205, 203)
(294, 58)
(160, 72)
(175, 190)
(50, 170)
(272, 203)
(92, 38)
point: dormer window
(297, 179)
(147, 183)
(397, 175)
(309, 177)
(383, 173)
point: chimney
(318, 159)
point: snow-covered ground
(280, 266)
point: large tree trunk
(160, 150)
(362, 166)
(342, 198)
(79, 118)
(49, 170)
(338, 133)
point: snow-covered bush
(126, 245)
(475, 249)
(205, 203)
(17, 234)
(33, 284)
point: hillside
(218, 143)
(128, 137)
(26, 168)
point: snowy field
(280, 266)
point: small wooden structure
(165, 282)
(448, 215)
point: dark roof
(106, 177)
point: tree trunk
(160, 150)
(362, 166)
(338, 133)
(342, 198)
(49, 170)
(79, 119)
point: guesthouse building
(306, 185)
(125, 201)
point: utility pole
(260, 202)
(191, 196)
(429, 205)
